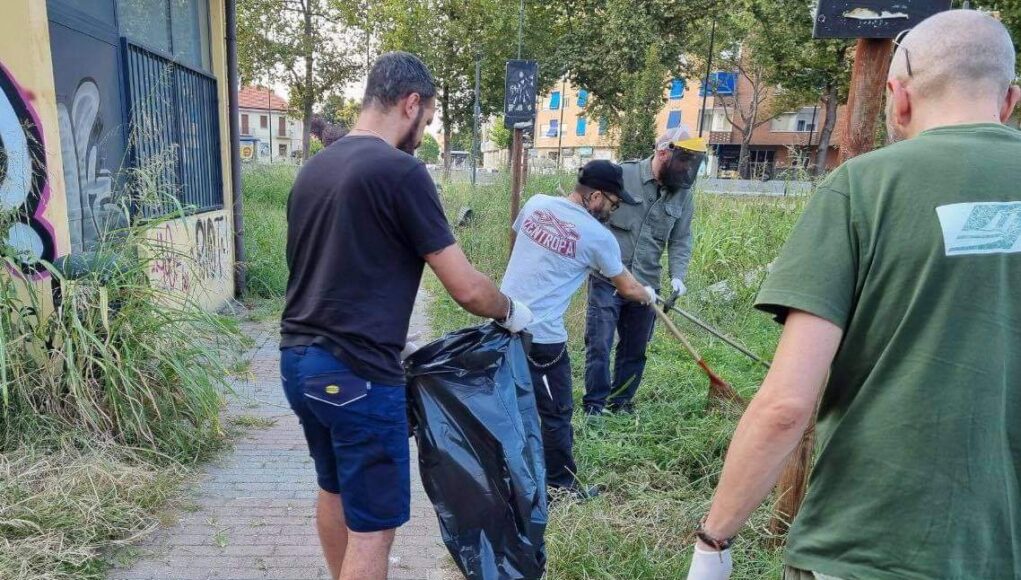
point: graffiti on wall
(201, 261)
(24, 187)
(89, 183)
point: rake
(719, 389)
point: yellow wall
(28, 106)
(194, 257)
(28, 116)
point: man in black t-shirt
(363, 220)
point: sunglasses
(907, 54)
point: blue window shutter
(582, 98)
(724, 82)
(554, 127)
(677, 89)
(554, 101)
(673, 120)
(604, 125)
(582, 126)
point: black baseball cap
(605, 176)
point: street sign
(519, 95)
(872, 18)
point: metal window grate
(175, 133)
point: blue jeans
(633, 323)
(357, 435)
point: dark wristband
(510, 310)
(715, 543)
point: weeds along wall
(104, 127)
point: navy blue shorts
(357, 434)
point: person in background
(660, 220)
(363, 220)
(560, 241)
(898, 289)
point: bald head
(958, 52)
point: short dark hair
(394, 76)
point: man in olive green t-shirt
(902, 281)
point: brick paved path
(252, 511)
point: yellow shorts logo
(332, 390)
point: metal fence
(174, 134)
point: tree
(499, 134)
(429, 152)
(606, 42)
(448, 35)
(808, 71)
(642, 101)
(299, 42)
(340, 110)
(738, 35)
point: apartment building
(566, 138)
(268, 134)
(779, 146)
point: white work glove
(710, 565)
(678, 286)
(650, 296)
(520, 317)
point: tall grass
(265, 189)
(109, 387)
(660, 466)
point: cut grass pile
(660, 466)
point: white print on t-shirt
(551, 232)
(981, 227)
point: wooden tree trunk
(743, 161)
(868, 83)
(829, 123)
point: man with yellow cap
(660, 220)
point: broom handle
(676, 332)
(720, 336)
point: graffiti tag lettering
(24, 188)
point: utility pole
(560, 125)
(521, 27)
(269, 116)
(476, 145)
(811, 133)
(708, 70)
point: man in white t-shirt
(561, 240)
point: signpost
(875, 23)
(519, 114)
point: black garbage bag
(480, 451)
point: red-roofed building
(268, 134)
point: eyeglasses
(907, 54)
(614, 202)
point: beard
(410, 142)
(602, 215)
